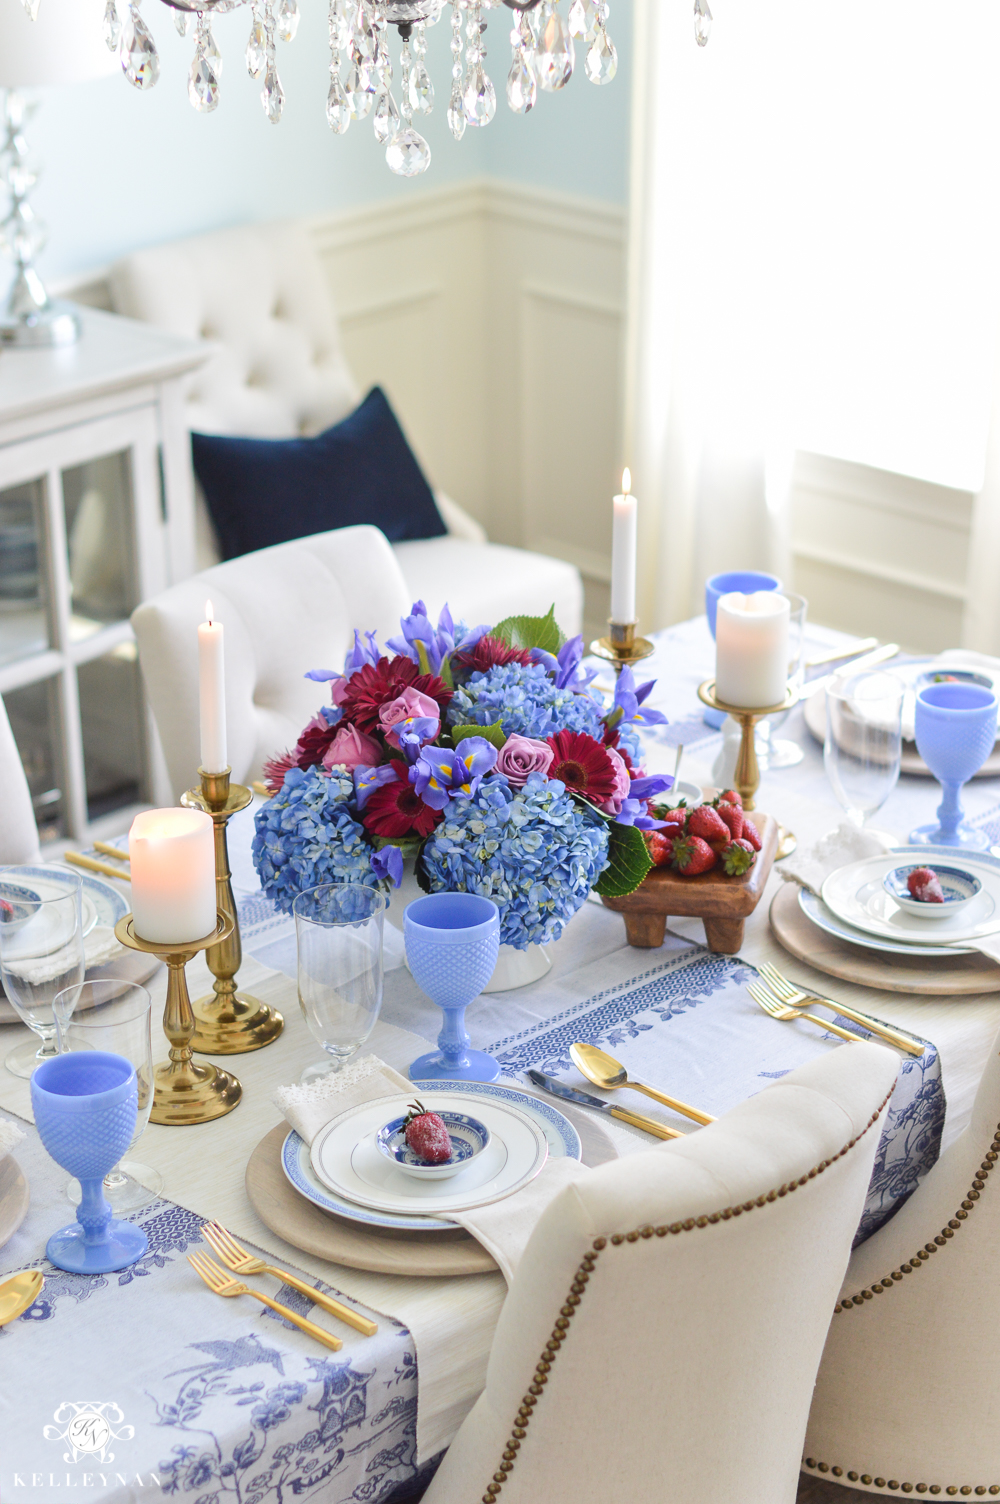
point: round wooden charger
(814, 710)
(930, 976)
(14, 1197)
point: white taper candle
(623, 551)
(212, 694)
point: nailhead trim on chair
(579, 1285)
(917, 1262)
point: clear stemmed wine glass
(41, 952)
(338, 933)
(782, 752)
(864, 740)
(114, 1016)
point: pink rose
(521, 755)
(623, 782)
(338, 689)
(350, 748)
(407, 707)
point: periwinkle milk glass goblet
(338, 933)
(956, 728)
(85, 1105)
(864, 740)
(747, 581)
(39, 955)
(114, 1015)
(452, 942)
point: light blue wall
(124, 169)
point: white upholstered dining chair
(285, 610)
(661, 1336)
(18, 831)
(908, 1394)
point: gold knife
(584, 1099)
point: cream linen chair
(18, 831)
(908, 1395)
(260, 294)
(661, 1336)
(285, 610)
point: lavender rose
(521, 755)
(351, 748)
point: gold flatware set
(123, 872)
(18, 1293)
(795, 998)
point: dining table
(222, 1400)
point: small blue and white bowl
(958, 886)
(17, 906)
(469, 1137)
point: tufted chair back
(18, 831)
(285, 610)
(260, 293)
(661, 1336)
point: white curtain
(815, 245)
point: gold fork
(222, 1283)
(235, 1257)
(795, 998)
(771, 1005)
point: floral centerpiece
(483, 754)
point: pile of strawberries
(696, 840)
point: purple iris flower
(366, 779)
(634, 811)
(570, 674)
(388, 863)
(417, 627)
(413, 733)
(628, 702)
(440, 774)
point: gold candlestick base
(227, 1022)
(184, 1092)
(747, 776)
(622, 646)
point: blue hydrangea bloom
(534, 851)
(526, 702)
(307, 835)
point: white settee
(259, 294)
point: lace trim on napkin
(327, 1087)
(10, 1134)
(838, 848)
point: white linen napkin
(10, 1134)
(503, 1227)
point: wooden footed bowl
(722, 902)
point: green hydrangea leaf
(628, 862)
(493, 734)
(531, 632)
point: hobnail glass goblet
(452, 941)
(955, 729)
(85, 1106)
(40, 954)
(338, 933)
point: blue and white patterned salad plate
(856, 895)
(559, 1137)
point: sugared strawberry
(733, 817)
(750, 833)
(660, 845)
(730, 796)
(925, 885)
(738, 858)
(426, 1135)
(705, 823)
(693, 856)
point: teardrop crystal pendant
(256, 53)
(408, 154)
(208, 46)
(360, 90)
(386, 117)
(272, 95)
(113, 27)
(364, 33)
(456, 114)
(286, 20)
(421, 90)
(602, 59)
(338, 107)
(203, 86)
(31, 6)
(140, 59)
(582, 16)
(182, 22)
(522, 90)
(480, 99)
(555, 55)
(702, 22)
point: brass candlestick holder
(227, 1022)
(184, 1092)
(747, 776)
(622, 646)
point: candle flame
(626, 481)
(208, 612)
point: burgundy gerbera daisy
(396, 809)
(582, 764)
(373, 685)
(487, 653)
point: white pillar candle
(172, 859)
(623, 538)
(212, 694)
(751, 649)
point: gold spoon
(604, 1070)
(18, 1293)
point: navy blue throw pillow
(265, 491)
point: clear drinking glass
(338, 933)
(864, 740)
(781, 752)
(114, 1016)
(41, 952)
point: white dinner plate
(817, 912)
(562, 1139)
(100, 904)
(346, 1159)
(50, 928)
(855, 894)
